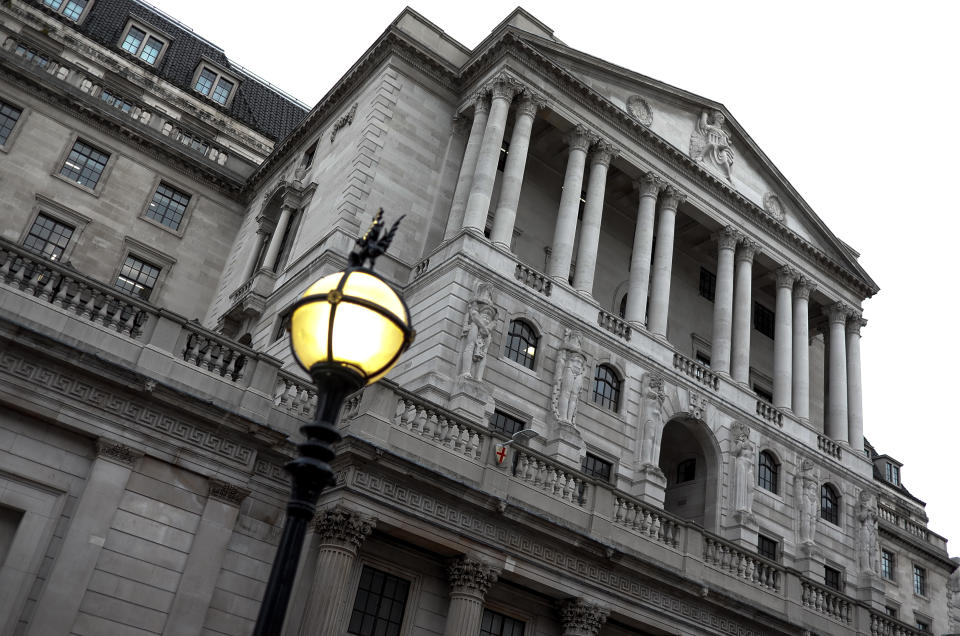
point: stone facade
(586, 254)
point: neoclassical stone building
(602, 260)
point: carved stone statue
(807, 492)
(571, 366)
(710, 143)
(868, 541)
(744, 476)
(651, 423)
(476, 333)
(953, 599)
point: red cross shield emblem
(501, 453)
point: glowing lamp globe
(350, 321)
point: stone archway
(690, 460)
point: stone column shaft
(470, 579)
(250, 258)
(481, 190)
(663, 261)
(565, 231)
(481, 110)
(506, 214)
(720, 349)
(836, 426)
(783, 340)
(273, 250)
(592, 217)
(801, 349)
(854, 383)
(636, 313)
(742, 311)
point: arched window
(522, 343)
(606, 388)
(769, 474)
(829, 504)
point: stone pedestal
(870, 590)
(810, 561)
(565, 444)
(744, 529)
(650, 486)
(472, 399)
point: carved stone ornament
(227, 492)
(728, 237)
(640, 110)
(651, 420)
(803, 288)
(748, 249)
(868, 535)
(579, 138)
(710, 144)
(744, 454)
(471, 575)
(773, 206)
(117, 452)
(478, 325)
(806, 491)
(649, 185)
(342, 525)
(344, 121)
(670, 198)
(581, 618)
(786, 276)
(698, 405)
(571, 368)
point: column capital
(504, 86)
(786, 276)
(803, 287)
(649, 184)
(838, 312)
(727, 238)
(603, 152)
(470, 575)
(481, 103)
(341, 524)
(855, 323)
(460, 125)
(226, 492)
(117, 452)
(671, 198)
(582, 618)
(579, 138)
(748, 249)
(529, 104)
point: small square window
(506, 424)
(496, 624)
(379, 605)
(137, 277)
(767, 547)
(168, 206)
(71, 9)
(708, 284)
(919, 581)
(887, 564)
(222, 91)
(133, 40)
(890, 611)
(923, 626)
(205, 81)
(764, 394)
(48, 237)
(84, 164)
(703, 358)
(32, 55)
(142, 44)
(151, 50)
(211, 83)
(9, 115)
(687, 470)
(832, 578)
(596, 467)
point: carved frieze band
(227, 492)
(342, 525)
(117, 452)
(471, 575)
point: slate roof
(256, 104)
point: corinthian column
(478, 204)
(603, 152)
(836, 427)
(801, 348)
(481, 109)
(740, 360)
(727, 240)
(854, 384)
(565, 231)
(470, 578)
(506, 215)
(783, 339)
(580, 618)
(340, 533)
(663, 261)
(649, 187)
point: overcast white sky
(855, 102)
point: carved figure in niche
(745, 454)
(571, 365)
(476, 333)
(710, 143)
(953, 598)
(651, 424)
(868, 540)
(807, 492)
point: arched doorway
(689, 458)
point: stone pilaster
(470, 579)
(603, 153)
(506, 215)
(565, 231)
(649, 187)
(742, 311)
(720, 351)
(783, 339)
(854, 383)
(481, 110)
(668, 202)
(579, 617)
(339, 533)
(836, 426)
(801, 348)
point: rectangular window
(703, 358)
(596, 467)
(379, 605)
(763, 320)
(708, 284)
(886, 564)
(74, 9)
(48, 237)
(8, 119)
(9, 522)
(214, 85)
(687, 470)
(767, 547)
(151, 50)
(142, 44)
(893, 474)
(32, 55)
(137, 277)
(222, 92)
(131, 43)
(117, 102)
(496, 624)
(890, 611)
(85, 164)
(168, 206)
(831, 578)
(308, 156)
(923, 626)
(764, 394)
(205, 81)
(506, 424)
(919, 581)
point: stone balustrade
(912, 527)
(203, 147)
(830, 603)
(829, 447)
(695, 370)
(215, 353)
(881, 625)
(295, 396)
(742, 564)
(614, 324)
(550, 476)
(533, 279)
(770, 413)
(647, 521)
(438, 426)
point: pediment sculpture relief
(640, 110)
(711, 145)
(773, 206)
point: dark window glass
(596, 467)
(84, 164)
(831, 578)
(767, 547)
(205, 81)
(378, 607)
(308, 156)
(168, 206)
(222, 92)
(769, 474)
(923, 626)
(151, 50)
(131, 43)
(919, 580)
(623, 306)
(496, 624)
(8, 119)
(606, 388)
(708, 284)
(48, 237)
(505, 424)
(829, 504)
(32, 55)
(283, 323)
(703, 358)
(887, 562)
(687, 470)
(522, 343)
(116, 101)
(763, 394)
(893, 474)
(763, 320)
(137, 277)
(890, 611)
(504, 151)
(74, 9)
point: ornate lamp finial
(371, 244)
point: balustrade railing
(830, 447)
(614, 324)
(438, 426)
(216, 354)
(295, 396)
(769, 412)
(825, 601)
(647, 521)
(916, 529)
(881, 625)
(743, 564)
(533, 279)
(695, 370)
(550, 476)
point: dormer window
(893, 474)
(212, 83)
(70, 9)
(141, 43)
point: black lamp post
(347, 330)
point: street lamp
(347, 331)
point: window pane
(769, 473)
(919, 580)
(137, 277)
(151, 50)
(131, 43)
(763, 320)
(53, 4)
(222, 92)
(168, 206)
(596, 467)
(606, 388)
(708, 284)
(205, 81)
(829, 504)
(84, 165)
(48, 237)
(8, 119)
(74, 9)
(496, 624)
(379, 604)
(886, 564)
(521, 343)
(505, 424)
(767, 547)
